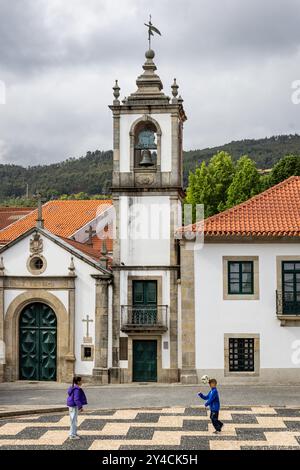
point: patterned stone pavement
(177, 428)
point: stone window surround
(33, 271)
(256, 338)
(255, 295)
(87, 359)
(290, 320)
(279, 260)
(145, 118)
(158, 279)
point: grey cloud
(234, 60)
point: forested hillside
(92, 174)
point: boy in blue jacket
(213, 401)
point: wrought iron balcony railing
(286, 305)
(144, 317)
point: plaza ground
(176, 428)
(18, 394)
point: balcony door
(291, 287)
(144, 302)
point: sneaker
(216, 432)
(74, 437)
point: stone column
(100, 371)
(115, 370)
(188, 372)
(2, 346)
(70, 357)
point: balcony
(144, 319)
(287, 310)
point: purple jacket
(76, 397)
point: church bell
(146, 159)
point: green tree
(208, 185)
(286, 167)
(221, 171)
(199, 189)
(245, 183)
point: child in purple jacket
(76, 400)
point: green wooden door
(145, 302)
(37, 336)
(291, 287)
(144, 361)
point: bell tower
(147, 194)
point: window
(241, 354)
(240, 277)
(87, 352)
(291, 287)
(145, 145)
(36, 265)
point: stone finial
(175, 92)
(39, 220)
(2, 268)
(90, 233)
(180, 100)
(72, 267)
(116, 89)
(103, 258)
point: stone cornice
(45, 282)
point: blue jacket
(212, 398)
(76, 397)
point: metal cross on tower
(151, 30)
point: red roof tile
(9, 215)
(274, 212)
(62, 218)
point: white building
(149, 305)
(246, 296)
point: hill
(91, 174)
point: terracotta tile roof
(62, 218)
(274, 212)
(83, 247)
(9, 215)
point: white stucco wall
(215, 316)
(145, 230)
(126, 122)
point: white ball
(204, 379)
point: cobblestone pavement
(178, 428)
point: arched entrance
(37, 342)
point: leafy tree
(221, 171)
(199, 189)
(245, 183)
(286, 167)
(208, 185)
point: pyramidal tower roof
(149, 84)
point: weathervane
(151, 29)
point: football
(204, 379)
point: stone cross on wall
(87, 320)
(90, 233)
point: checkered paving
(175, 428)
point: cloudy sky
(235, 62)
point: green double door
(38, 339)
(145, 302)
(144, 361)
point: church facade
(118, 291)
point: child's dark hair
(212, 381)
(76, 380)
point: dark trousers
(214, 416)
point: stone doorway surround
(65, 333)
